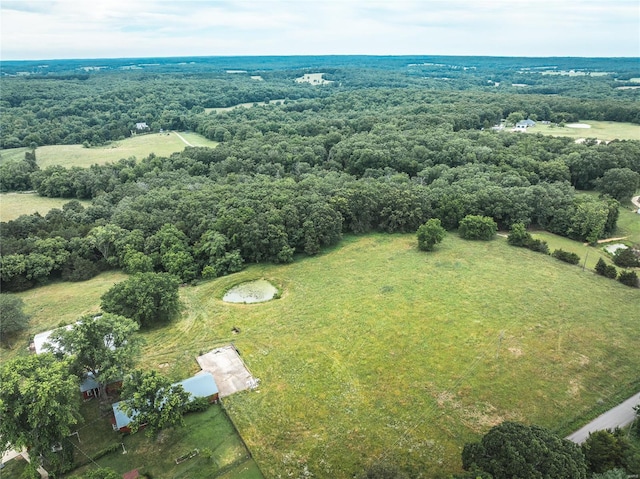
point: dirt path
(609, 240)
(620, 416)
(182, 138)
(636, 201)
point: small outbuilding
(202, 385)
(524, 124)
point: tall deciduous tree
(105, 346)
(429, 234)
(516, 450)
(39, 404)
(145, 297)
(619, 183)
(152, 401)
(12, 316)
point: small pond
(256, 291)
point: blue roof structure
(199, 386)
(89, 382)
(122, 420)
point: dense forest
(387, 145)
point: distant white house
(142, 126)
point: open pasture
(313, 79)
(378, 351)
(60, 303)
(602, 130)
(13, 205)
(243, 105)
(139, 146)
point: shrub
(626, 258)
(518, 235)
(429, 234)
(539, 246)
(566, 256)
(477, 227)
(611, 272)
(629, 278)
(601, 267)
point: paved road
(620, 416)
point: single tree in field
(150, 400)
(429, 234)
(12, 317)
(516, 450)
(39, 404)
(105, 346)
(147, 298)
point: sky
(48, 29)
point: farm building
(202, 385)
(524, 124)
(41, 340)
(142, 126)
(90, 388)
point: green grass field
(602, 130)
(60, 303)
(242, 105)
(13, 205)
(139, 146)
(379, 351)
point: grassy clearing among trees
(140, 146)
(13, 205)
(60, 303)
(379, 351)
(602, 130)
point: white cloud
(120, 28)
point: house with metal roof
(202, 385)
(524, 124)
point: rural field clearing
(243, 105)
(314, 79)
(13, 205)
(60, 303)
(140, 146)
(602, 130)
(378, 351)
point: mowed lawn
(13, 205)
(378, 351)
(140, 146)
(221, 452)
(602, 130)
(59, 303)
